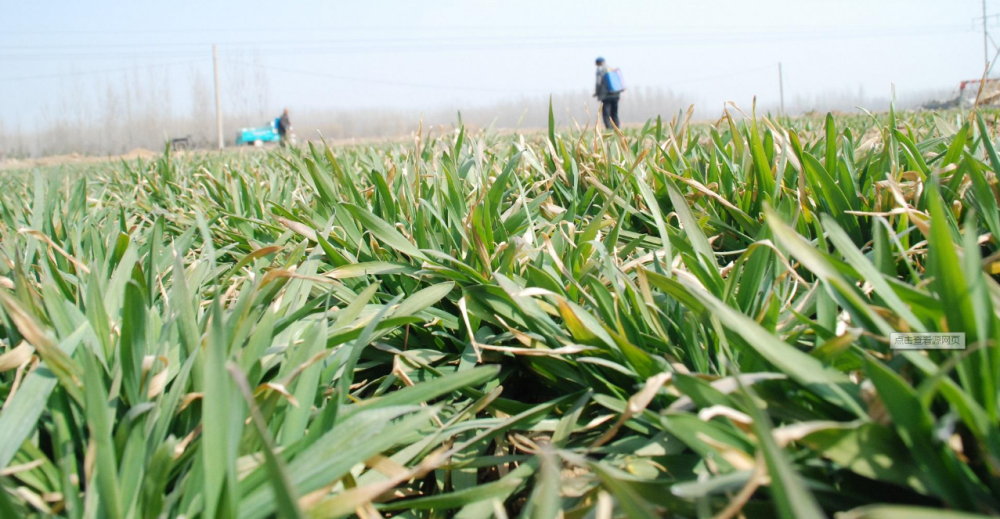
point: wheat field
(679, 320)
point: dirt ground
(74, 158)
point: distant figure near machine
(283, 126)
(608, 90)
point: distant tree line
(137, 110)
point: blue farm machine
(259, 135)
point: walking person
(283, 126)
(607, 96)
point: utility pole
(218, 96)
(986, 47)
(781, 88)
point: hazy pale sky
(454, 53)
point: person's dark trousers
(610, 112)
(282, 140)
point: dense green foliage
(689, 321)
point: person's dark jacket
(601, 88)
(283, 124)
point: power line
(587, 43)
(587, 35)
(723, 76)
(386, 82)
(484, 43)
(394, 83)
(100, 56)
(436, 28)
(104, 71)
